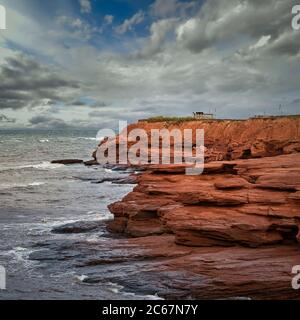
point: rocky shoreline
(231, 233)
(234, 230)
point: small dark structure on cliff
(202, 115)
(262, 116)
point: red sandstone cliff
(234, 139)
(244, 202)
(232, 208)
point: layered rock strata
(236, 223)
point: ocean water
(35, 197)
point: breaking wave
(6, 186)
(40, 166)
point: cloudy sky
(89, 63)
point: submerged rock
(127, 180)
(178, 272)
(67, 161)
(78, 227)
(91, 163)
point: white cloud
(128, 24)
(239, 59)
(225, 21)
(261, 42)
(108, 19)
(159, 31)
(76, 28)
(185, 28)
(85, 6)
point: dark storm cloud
(78, 103)
(48, 122)
(11, 103)
(100, 104)
(25, 82)
(113, 114)
(296, 101)
(287, 44)
(4, 118)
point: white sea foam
(21, 255)
(147, 297)
(89, 138)
(116, 288)
(40, 166)
(43, 140)
(92, 138)
(43, 166)
(35, 184)
(81, 278)
(5, 186)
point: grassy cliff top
(185, 119)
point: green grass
(270, 117)
(174, 119)
(178, 120)
(168, 119)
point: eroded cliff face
(234, 139)
(244, 202)
(236, 223)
